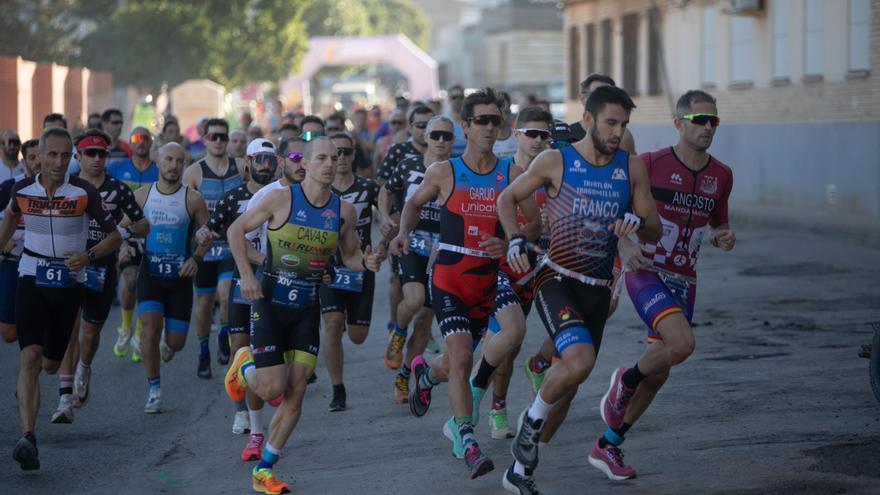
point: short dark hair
(343, 135)
(217, 122)
(54, 117)
(534, 114)
(95, 115)
(109, 113)
(419, 110)
(485, 96)
(595, 77)
(289, 127)
(53, 132)
(170, 122)
(92, 132)
(311, 118)
(338, 117)
(608, 95)
(686, 101)
(503, 99)
(285, 144)
(454, 87)
(30, 143)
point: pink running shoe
(254, 448)
(616, 399)
(277, 401)
(610, 461)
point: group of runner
(280, 242)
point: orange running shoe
(264, 481)
(401, 389)
(235, 381)
(394, 352)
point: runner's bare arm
(628, 143)
(349, 244)
(252, 219)
(437, 176)
(388, 225)
(7, 228)
(724, 238)
(192, 176)
(643, 202)
(196, 204)
(532, 228)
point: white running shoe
(135, 349)
(154, 403)
(120, 348)
(64, 413)
(81, 386)
(166, 352)
(241, 423)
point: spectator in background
(311, 126)
(505, 145)
(93, 121)
(196, 149)
(237, 146)
(287, 131)
(396, 124)
(436, 106)
(111, 124)
(9, 164)
(54, 120)
(455, 100)
(246, 120)
(254, 132)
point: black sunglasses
(217, 136)
(334, 129)
(116, 122)
(396, 122)
(456, 96)
(486, 120)
(344, 150)
(536, 133)
(441, 136)
(95, 152)
(702, 119)
(13, 142)
(421, 124)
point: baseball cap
(260, 145)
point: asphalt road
(774, 400)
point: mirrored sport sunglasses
(266, 159)
(295, 157)
(344, 150)
(441, 136)
(95, 152)
(533, 133)
(309, 135)
(495, 120)
(702, 119)
(217, 136)
(140, 138)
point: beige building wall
(521, 56)
(838, 95)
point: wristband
(517, 246)
(92, 255)
(198, 259)
(125, 232)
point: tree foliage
(365, 18)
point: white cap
(260, 145)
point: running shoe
(419, 398)
(616, 399)
(241, 423)
(477, 462)
(223, 349)
(234, 381)
(535, 379)
(120, 348)
(525, 445)
(500, 428)
(264, 481)
(450, 431)
(610, 461)
(477, 393)
(254, 448)
(338, 402)
(26, 453)
(433, 346)
(394, 352)
(515, 483)
(204, 369)
(401, 389)
(64, 413)
(81, 386)
(166, 352)
(135, 349)
(154, 403)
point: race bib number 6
(292, 293)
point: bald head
(171, 147)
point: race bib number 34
(53, 274)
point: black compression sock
(484, 372)
(633, 377)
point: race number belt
(580, 277)
(463, 250)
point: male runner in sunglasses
(465, 276)
(413, 267)
(347, 302)
(213, 176)
(690, 189)
(136, 172)
(9, 164)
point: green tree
(366, 17)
